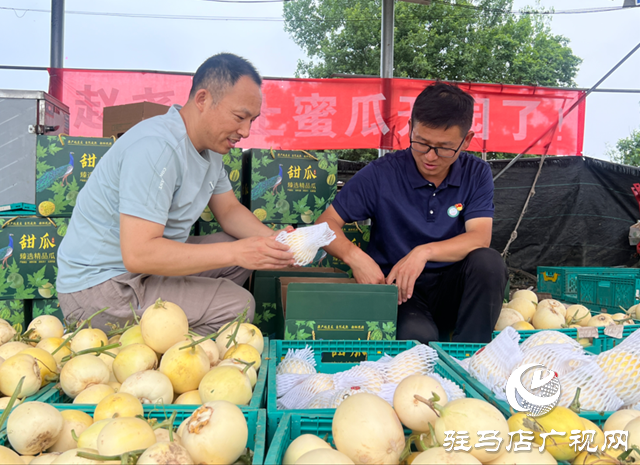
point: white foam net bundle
(333, 398)
(632, 341)
(463, 363)
(387, 391)
(367, 377)
(300, 395)
(452, 389)
(305, 242)
(300, 362)
(561, 358)
(621, 366)
(492, 365)
(550, 337)
(286, 381)
(596, 392)
(419, 360)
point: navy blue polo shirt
(407, 210)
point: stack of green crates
(562, 281)
(610, 293)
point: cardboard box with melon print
(28, 253)
(207, 224)
(288, 186)
(335, 309)
(63, 166)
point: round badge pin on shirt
(453, 211)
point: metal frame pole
(57, 33)
(386, 48)
(57, 45)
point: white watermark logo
(542, 393)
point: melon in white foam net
(305, 242)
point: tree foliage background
(459, 40)
(627, 150)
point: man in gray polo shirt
(128, 240)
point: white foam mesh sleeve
(492, 365)
(305, 242)
(300, 395)
(596, 392)
(550, 337)
(300, 361)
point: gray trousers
(210, 299)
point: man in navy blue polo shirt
(431, 207)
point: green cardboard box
(47, 307)
(12, 311)
(263, 287)
(64, 164)
(326, 308)
(28, 254)
(288, 187)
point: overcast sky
(117, 42)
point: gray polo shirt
(153, 172)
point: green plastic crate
(36, 396)
(607, 293)
(562, 281)
(55, 395)
(374, 350)
(292, 426)
(256, 422)
(449, 351)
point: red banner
(317, 114)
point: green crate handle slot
(553, 278)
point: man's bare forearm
(164, 257)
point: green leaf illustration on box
(47, 307)
(375, 333)
(264, 315)
(301, 329)
(41, 164)
(12, 311)
(389, 330)
(287, 335)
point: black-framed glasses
(443, 152)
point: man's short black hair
(442, 105)
(221, 72)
